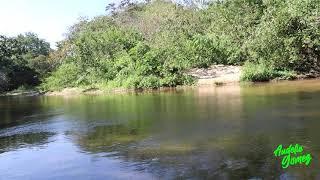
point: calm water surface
(203, 133)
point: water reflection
(203, 133)
(17, 141)
(15, 111)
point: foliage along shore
(210, 82)
(143, 45)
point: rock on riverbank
(22, 93)
(216, 75)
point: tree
(23, 60)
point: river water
(227, 132)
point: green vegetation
(263, 72)
(151, 44)
(24, 60)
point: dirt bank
(86, 91)
(22, 93)
(216, 75)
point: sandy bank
(216, 75)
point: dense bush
(151, 44)
(67, 75)
(110, 54)
(288, 36)
(257, 72)
(264, 72)
(16, 57)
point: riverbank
(97, 91)
(204, 83)
(215, 75)
(23, 93)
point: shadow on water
(16, 111)
(17, 141)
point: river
(227, 132)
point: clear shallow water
(204, 133)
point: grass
(261, 72)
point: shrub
(67, 75)
(286, 75)
(288, 36)
(205, 51)
(150, 82)
(264, 72)
(149, 45)
(257, 72)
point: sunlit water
(201, 133)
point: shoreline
(97, 92)
(213, 76)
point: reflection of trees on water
(209, 135)
(19, 110)
(16, 141)
(238, 156)
(18, 116)
(220, 133)
(219, 157)
(103, 138)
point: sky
(49, 19)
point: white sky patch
(49, 19)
